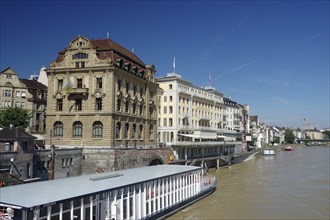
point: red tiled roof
(107, 48)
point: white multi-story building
(193, 120)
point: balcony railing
(73, 91)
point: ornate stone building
(101, 95)
(27, 94)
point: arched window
(118, 130)
(97, 129)
(58, 129)
(77, 129)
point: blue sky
(272, 55)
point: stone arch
(156, 161)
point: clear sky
(272, 55)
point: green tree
(17, 117)
(277, 140)
(326, 134)
(289, 136)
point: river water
(290, 185)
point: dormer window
(119, 62)
(127, 67)
(80, 56)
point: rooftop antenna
(209, 79)
(107, 35)
(174, 65)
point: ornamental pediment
(98, 94)
(59, 95)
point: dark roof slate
(13, 134)
(33, 84)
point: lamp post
(50, 138)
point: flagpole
(174, 65)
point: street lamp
(50, 138)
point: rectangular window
(99, 82)
(79, 83)
(127, 87)
(82, 64)
(98, 104)
(134, 89)
(170, 86)
(78, 104)
(171, 109)
(38, 116)
(170, 122)
(59, 105)
(171, 98)
(165, 110)
(60, 84)
(77, 64)
(164, 122)
(18, 94)
(165, 98)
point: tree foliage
(289, 136)
(17, 117)
(326, 134)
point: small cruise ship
(152, 192)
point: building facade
(28, 94)
(193, 120)
(101, 95)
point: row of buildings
(97, 94)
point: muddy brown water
(289, 185)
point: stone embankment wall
(105, 160)
(81, 161)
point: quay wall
(81, 161)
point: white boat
(141, 193)
(268, 151)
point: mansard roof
(106, 48)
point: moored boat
(140, 193)
(289, 148)
(269, 151)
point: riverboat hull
(152, 192)
(176, 208)
(268, 152)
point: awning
(188, 135)
(226, 138)
(198, 136)
(39, 136)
